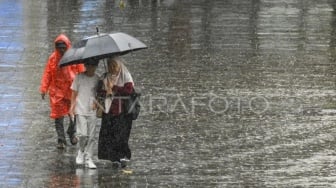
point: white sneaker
(80, 158)
(89, 163)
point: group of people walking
(74, 91)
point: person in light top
(83, 107)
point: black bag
(132, 105)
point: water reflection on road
(235, 93)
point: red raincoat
(57, 81)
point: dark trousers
(59, 125)
(113, 137)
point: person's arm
(45, 81)
(100, 95)
(74, 95)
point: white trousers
(86, 130)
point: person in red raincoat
(57, 81)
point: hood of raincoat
(61, 38)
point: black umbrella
(101, 46)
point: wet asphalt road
(235, 93)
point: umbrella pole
(105, 64)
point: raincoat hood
(63, 38)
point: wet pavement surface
(235, 93)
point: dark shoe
(116, 164)
(123, 162)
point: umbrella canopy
(101, 46)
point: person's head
(113, 66)
(62, 43)
(61, 47)
(90, 66)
